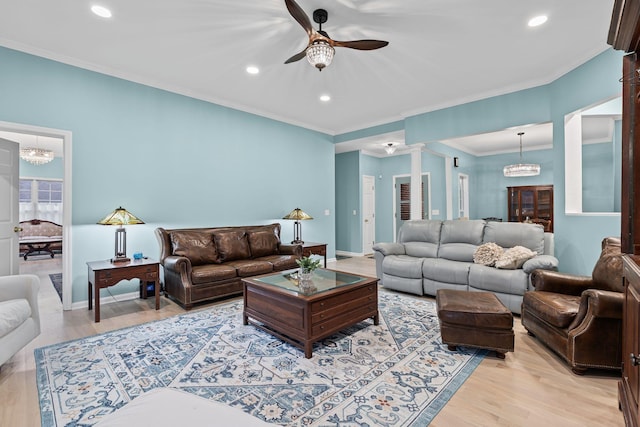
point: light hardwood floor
(531, 387)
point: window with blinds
(40, 199)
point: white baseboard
(349, 254)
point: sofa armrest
(598, 304)
(544, 262)
(22, 286)
(560, 283)
(604, 303)
(178, 264)
(291, 250)
(387, 249)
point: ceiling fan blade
(299, 15)
(362, 44)
(296, 57)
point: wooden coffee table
(275, 303)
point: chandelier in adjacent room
(36, 155)
(521, 169)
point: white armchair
(19, 315)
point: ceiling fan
(320, 50)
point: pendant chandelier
(36, 155)
(521, 169)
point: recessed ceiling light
(537, 20)
(253, 69)
(101, 11)
(325, 98)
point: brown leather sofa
(202, 264)
(580, 317)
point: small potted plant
(307, 264)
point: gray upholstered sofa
(432, 254)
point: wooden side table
(314, 248)
(103, 274)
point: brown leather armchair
(580, 317)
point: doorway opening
(25, 134)
(402, 200)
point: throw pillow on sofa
(198, 246)
(232, 245)
(514, 257)
(487, 254)
(262, 243)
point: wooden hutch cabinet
(629, 385)
(533, 203)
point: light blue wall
(577, 237)
(490, 197)
(348, 232)
(597, 177)
(617, 169)
(171, 160)
(51, 170)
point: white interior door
(368, 213)
(9, 178)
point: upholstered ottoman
(475, 319)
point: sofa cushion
(13, 313)
(421, 249)
(510, 234)
(426, 231)
(198, 246)
(212, 272)
(460, 239)
(446, 271)
(281, 262)
(514, 258)
(232, 245)
(558, 310)
(607, 272)
(512, 282)
(251, 267)
(262, 243)
(402, 266)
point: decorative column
(416, 181)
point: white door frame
(368, 214)
(65, 135)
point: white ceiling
(440, 53)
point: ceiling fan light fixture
(390, 148)
(320, 54)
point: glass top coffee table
(303, 315)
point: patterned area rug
(395, 374)
(56, 280)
